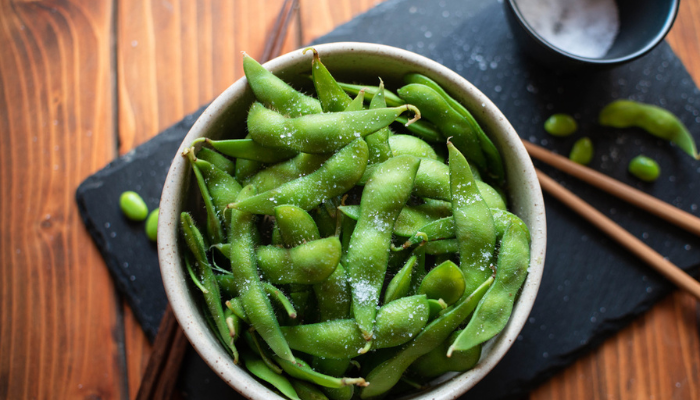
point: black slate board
(590, 289)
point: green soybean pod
(655, 120)
(309, 263)
(423, 129)
(385, 375)
(258, 368)
(301, 370)
(383, 197)
(133, 206)
(494, 160)
(295, 225)
(215, 231)
(222, 187)
(333, 295)
(441, 247)
(644, 168)
(494, 309)
(474, 226)
(331, 96)
(277, 175)
(400, 321)
(378, 142)
(276, 93)
(436, 362)
(307, 391)
(249, 150)
(336, 339)
(392, 100)
(335, 177)
(445, 282)
(219, 160)
(319, 133)
(152, 225)
(400, 284)
(560, 125)
(582, 151)
(411, 145)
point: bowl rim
(175, 279)
(661, 34)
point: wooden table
(83, 81)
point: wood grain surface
(84, 80)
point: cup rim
(661, 34)
(175, 280)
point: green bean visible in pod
(333, 295)
(301, 370)
(449, 122)
(219, 160)
(319, 133)
(655, 120)
(255, 301)
(384, 376)
(335, 177)
(436, 362)
(494, 161)
(309, 263)
(215, 232)
(276, 93)
(445, 282)
(257, 367)
(249, 150)
(331, 96)
(296, 226)
(494, 309)
(277, 175)
(392, 100)
(378, 142)
(383, 197)
(206, 278)
(307, 391)
(474, 226)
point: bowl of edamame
(351, 221)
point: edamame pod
(383, 197)
(219, 160)
(249, 150)
(333, 295)
(336, 339)
(281, 173)
(215, 231)
(307, 264)
(319, 133)
(474, 225)
(307, 391)
(441, 247)
(301, 370)
(436, 362)
(331, 96)
(222, 187)
(378, 142)
(493, 311)
(258, 368)
(295, 225)
(400, 321)
(413, 146)
(276, 93)
(336, 176)
(400, 284)
(392, 100)
(445, 282)
(655, 120)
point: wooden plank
(59, 314)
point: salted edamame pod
(331, 96)
(336, 176)
(309, 263)
(247, 149)
(296, 226)
(277, 175)
(436, 362)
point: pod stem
(415, 110)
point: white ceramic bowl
(361, 62)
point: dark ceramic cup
(643, 25)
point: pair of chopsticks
(170, 344)
(632, 196)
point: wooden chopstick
(170, 344)
(152, 379)
(620, 235)
(627, 193)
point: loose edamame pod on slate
(445, 282)
(383, 197)
(247, 149)
(384, 376)
(295, 225)
(276, 93)
(206, 278)
(281, 173)
(435, 109)
(494, 161)
(474, 225)
(219, 160)
(255, 301)
(655, 120)
(494, 309)
(306, 264)
(436, 362)
(319, 133)
(133, 206)
(336, 176)
(331, 96)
